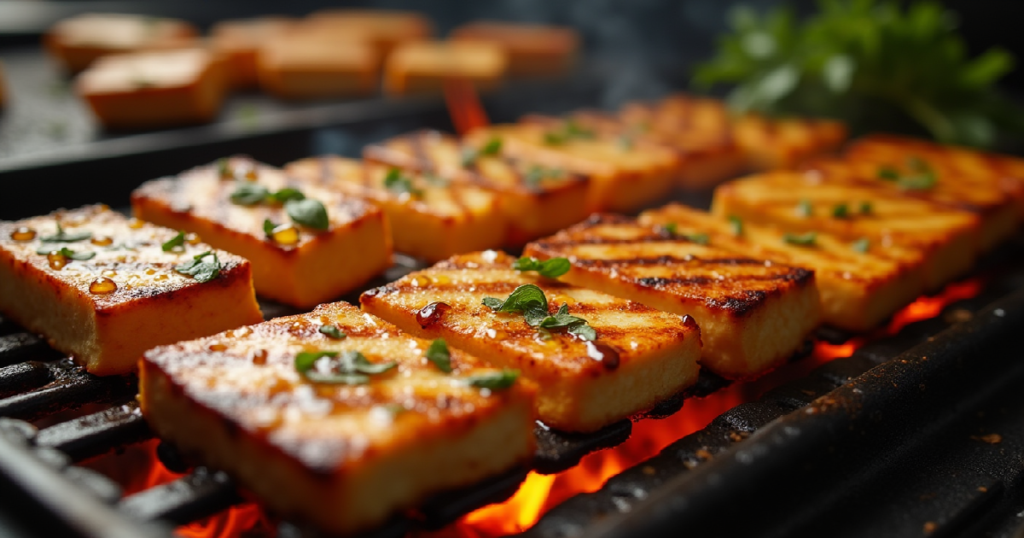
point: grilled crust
(334, 455)
(384, 28)
(152, 305)
(621, 179)
(657, 352)
(532, 49)
(444, 220)
(78, 41)
(240, 40)
(423, 66)
(857, 290)
(753, 314)
(321, 266)
(773, 144)
(531, 208)
(947, 239)
(297, 65)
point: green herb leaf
(808, 239)
(492, 147)
(308, 212)
(200, 268)
(63, 236)
(841, 211)
(805, 209)
(224, 168)
(584, 331)
(520, 300)
(670, 228)
(563, 320)
(268, 227)
(174, 242)
(552, 268)
(249, 193)
(332, 331)
(494, 380)
(568, 131)
(67, 253)
(866, 208)
(438, 354)
(861, 245)
(626, 142)
(492, 303)
(536, 174)
(888, 173)
(347, 367)
(397, 183)
(286, 194)
(736, 224)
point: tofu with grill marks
(803, 203)
(295, 264)
(534, 203)
(109, 291)
(431, 217)
(858, 289)
(342, 457)
(621, 178)
(640, 356)
(753, 314)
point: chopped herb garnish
(568, 131)
(529, 300)
(286, 194)
(63, 236)
(804, 209)
(808, 239)
(494, 380)
(174, 242)
(268, 227)
(332, 331)
(436, 180)
(308, 212)
(67, 253)
(396, 182)
(536, 174)
(921, 176)
(438, 354)
(224, 168)
(841, 211)
(626, 142)
(865, 208)
(736, 224)
(492, 147)
(527, 296)
(888, 173)
(202, 271)
(249, 193)
(572, 324)
(861, 245)
(470, 155)
(553, 268)
(672, 229)
(345, 368)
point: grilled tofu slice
(423, 66)
(534, 201)
(240, 40)
(753, 314)
(344, 457)
(431, 217)
(621, 178)
(532, 49)
(101, 287)
(640, 356)
(860, 284)
(297, 65)
(385, 29)
(293, 262)
(78, 41)
(773, 144)
(802, 204)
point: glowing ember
(464, 106)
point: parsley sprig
(499, 380)
(672, 230)
(63, 236)
(67, 253)
(174, 242)
(348, 367)
(302, 210)
(551, 268)
(530, 301)
(400, 184)
(438, 354)
(920, 177)
(569, 130)
(201, 267)
(808, 239)
(471, 154)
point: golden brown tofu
(635, 357)
(802, 204)
(154, 89)
(532, 49)
(300, 262)
(860, 284)
(343, 451)
(622, 178)
(294, 65)
(78, 41)
(104, 289)
(753, 314)
(431, 217)
(534, 200)
(240, 41)
(424, 66)
(383, 28)
(784, 143)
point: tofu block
(753, 314)
(100, 287)
(294, 263)
(698, 128)
(240, 41)
(300, 66)
(430, 217)
(622, 178)
(860, 284)
(154, 89)
(76, 42)
(783, 143)
(532, 49)
(341, 457)
(423, 66)
(640, 356)
(534, 201)
(803, 203)
(383, 28)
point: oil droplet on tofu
(442, 279)
(216, 347)
(109, 273)
(57, 260)
(135, 223)
(162, 277)
(496, 334)
(150, 271)
(605, 354)
(102, 286)
(259, 357)
(421, 281)
(192, 239)
(102, 241)
(285, 234)
(23, 233)
(431, 314)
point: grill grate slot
(97, 433)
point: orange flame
(540, 493)
(464, 106)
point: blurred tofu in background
(384, 29)
(301, 66)
(78, 41)
(154, 89)
(532, 49)
(423, 66)
(239, 42)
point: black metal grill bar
(197, 495)
(97, 433)
(19, 378)
(71, 388)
